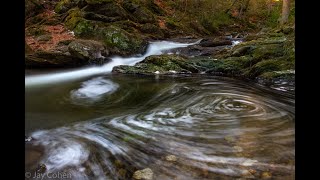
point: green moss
(143, 15)
(166, 62)
(73, 18)
(268, 51)
(84, 28)
(126, 25)
(62, 6)
(277, 74)
(116, 37)
(98, 1)
(162, 64)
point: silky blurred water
(107, 127)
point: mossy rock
(127, 25)
(131, 6)
(162, 64)
(268, 51)
(108, 9)
(102, 18)
(242, 50)
(139, 12)
(98, 1)
(288, 74)
(71, 21)
(64, 5)
(87, 49)
(143, 15)
(152, 29)
(270, 66)
(120, 41)
(84, 28)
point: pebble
(171, 158)
(266, 175)
(144, 174)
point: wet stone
(229, 138)
(237, 148)
(171, 158)
(144, 174)
(266, 175)
(41, 168)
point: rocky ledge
(267, 58)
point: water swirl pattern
(215, 128)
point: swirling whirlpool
(181, 128)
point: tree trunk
(285, 11)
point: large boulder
(106, 8)
(64, 5)
(139, 13)
(162, 64)
(43, 59)
(88, 50)
(121, 42)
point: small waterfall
(155, 48)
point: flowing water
(108, 126)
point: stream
(91, 124)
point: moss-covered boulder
(143, 15)
(74, 16)
(121, 42)
(106, 8)
(140, 13)
(89, 50)
(64, 5)
(84, 28)
(162, 64)
(152, 29)
(98, 1)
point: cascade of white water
(155, 48)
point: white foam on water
(60, 151)
(155, 48)
(94, 89)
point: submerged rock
(237, 148)
(229, 138)
(171, 158)
(42, 168)
(266, 175)
(144, 174)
